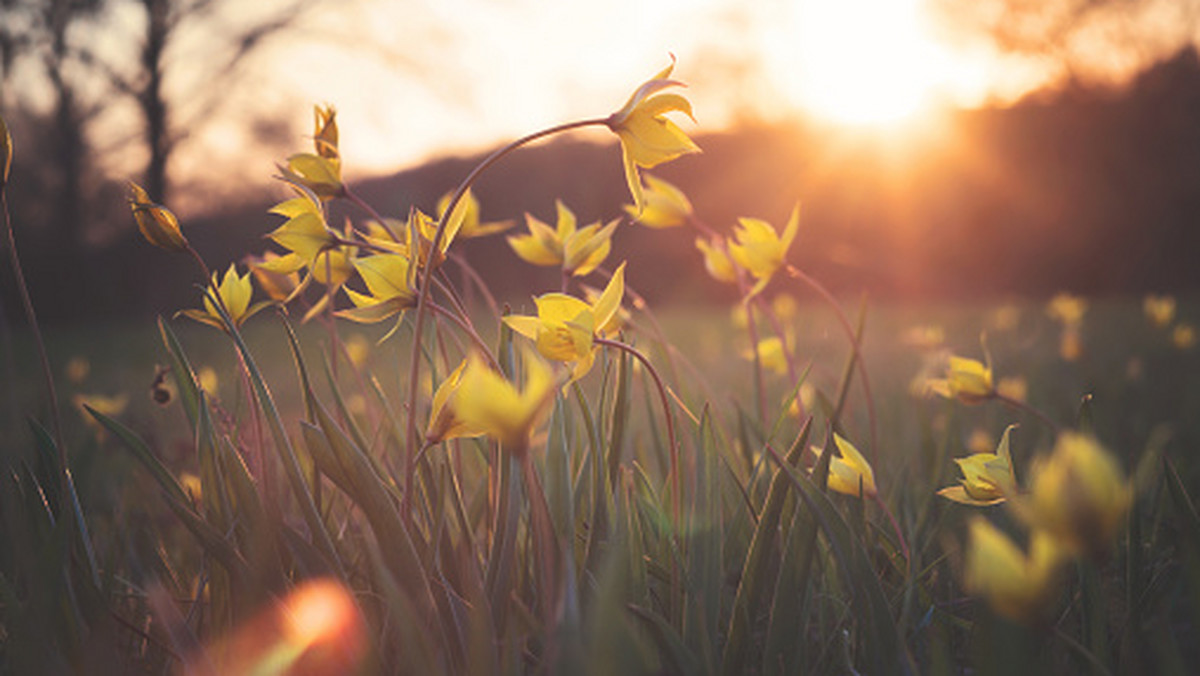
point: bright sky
(413, 79)
(462, 75)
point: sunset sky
(413, 79)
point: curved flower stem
(423, 292)
(1022, 406)
(362, 204)
(797, 273)
(469, 330)
(670, 421)
(473, 275)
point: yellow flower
(207, 379)
(967, 380)
(390, 280)
(471, 226)
(1184, 336)
(988, 478)
(717, 261)
(924, 337)
(234, 292)
(647, 137)
(275, 274)
(444, 422)
(1079, 495)
(190, 483)
(304, 232)
(850, 472)
(663, 206)
(320, 172)
(1070, 345)
(565, 326)
(577, 250)
(1020, 587)
(1160, 310)
(760, 250)
(1067, 308)
(156, 223)
(770, 354)
(486, 400)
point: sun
(860, 62)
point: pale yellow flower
(320, 172)
(717, 261)
(1018, 586)
(444, 422)
(390, 280)
(988, 478)
(663, 206)
(577, 250)
(1079, 495)
(968, 380)
(234, 292)
(1070, 344)
(565, 326)
(849, 474)
(1160, 310)
(304, 232)
(770, 354)
(760, 250)
(486, 400)
(206, 377)
(647, 137)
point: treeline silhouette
(1088, 190)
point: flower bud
(158, 225)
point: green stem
(423, 292)
(670, 420)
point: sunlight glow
(865, 62)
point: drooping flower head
(716, 259)
(156, 223)
(663, 205)
(647, 137)
(391, 289)
(444, 421)
(968, 380)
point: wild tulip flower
(760, 250)
(234, 292)
(444, 422)
(1079, 495)
(390, 280)
(1067, 308)
(849, 474)
(988, 478)
(578, 250)
(472, 226)
(663, 205)
(156, 223)
(320, 172)
(1160, 310)
(647, 137)
(305, 231)
(486, 400)
(565, 326)
(1020, 587)
(275, 274)
(770, 354)
(717, 261)
(968, 380)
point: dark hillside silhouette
(1095, 192)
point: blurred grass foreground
(348, 456)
